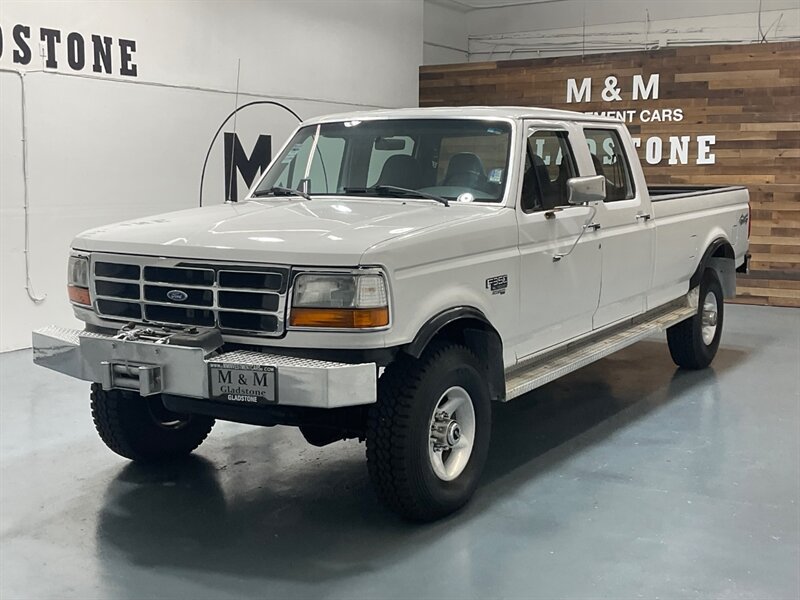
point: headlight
(78, 280)
(357, 301)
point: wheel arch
(721, 258)
(469, 326)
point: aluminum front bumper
(152, 368)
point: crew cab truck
(388, 277)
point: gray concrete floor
(627, 479)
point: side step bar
(549, 366)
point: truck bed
(659, 193)
(688, 219)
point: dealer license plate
(242, 384)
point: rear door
(626, 229)
(558, 298)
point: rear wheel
(141, 429)
(693, 343)
(428, 434)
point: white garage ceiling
(470, 5)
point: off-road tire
(685, 339)
(137, 428)
(398, 431)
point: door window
(549, 163)
(608, 156)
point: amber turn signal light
(79, 295)
(349, 318)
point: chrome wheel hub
(445, 432)
(452, 433)
(709, 317)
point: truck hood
(330, 231)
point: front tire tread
(124, 423)
(395, 474)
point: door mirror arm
(589, 224)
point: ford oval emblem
(177, 295)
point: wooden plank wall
(746, 95)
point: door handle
(644, 218)
(592, 226)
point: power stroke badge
(497, 284)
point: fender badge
(497, 284)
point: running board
(549, 366)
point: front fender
(439, 322)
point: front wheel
(428, 434)
(141, 429)
(693, 343)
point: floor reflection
(294, 520)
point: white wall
(104, 148)
(504, 29)
(445, 34)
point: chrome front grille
(237, 298)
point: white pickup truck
(389, 276)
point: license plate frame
(245, 385)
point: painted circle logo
(177, 295)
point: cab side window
(610, 160)
(549, 163)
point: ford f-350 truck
(388, 277)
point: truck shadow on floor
(269, 508)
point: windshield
(449, 158)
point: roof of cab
(445, 112)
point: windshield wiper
(280, 191)
(393, 189)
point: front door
(626, 230)
(560, 280)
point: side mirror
(583, 190)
